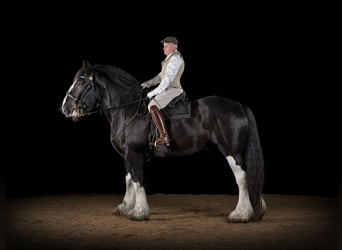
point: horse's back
(218, 105)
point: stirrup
(162, 140)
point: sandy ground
(178, 221)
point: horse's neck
(119, 91)
(114, 97)
(120, 109)
(120, 120)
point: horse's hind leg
(244, 210)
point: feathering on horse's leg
(141, 210)
(243, 211)
(129, 199)
(134, 204)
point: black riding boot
(159, 121)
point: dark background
(274, 61)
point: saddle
(178, 108)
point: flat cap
(170, 39)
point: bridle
(79, 106)
(77, 100)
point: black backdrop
(270, 61)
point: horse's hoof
(236, 220)
(138, 218)
(117, 211)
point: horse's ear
(86, 65)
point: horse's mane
(118, 75)
(119, 81)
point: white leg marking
(243, 211)
(263, 205)
(129, 198)
(141, 210)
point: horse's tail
(254, 163)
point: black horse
(215, 120)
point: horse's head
(81, 97)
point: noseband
(78, 104)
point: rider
(169, 87)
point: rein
(99, 110)
(140, 100)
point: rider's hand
(144, 85)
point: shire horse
(215, 120)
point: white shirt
(170, 73)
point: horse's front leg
(140, 210)
(134, 204)
(128, 201)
